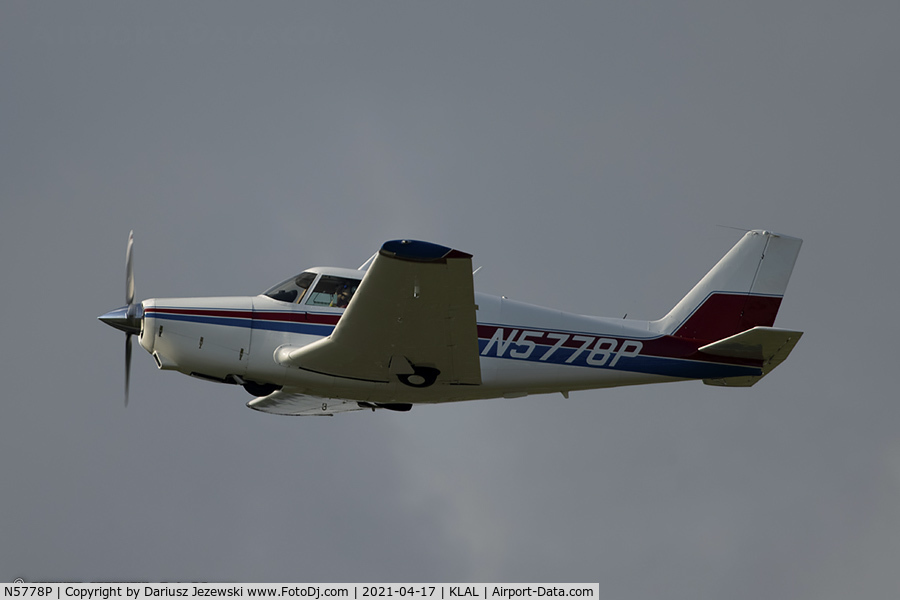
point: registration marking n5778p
(598, 349)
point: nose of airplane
(126, 318)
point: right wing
(413, 317)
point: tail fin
(744, 290)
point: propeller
(129, 270)
(129, 302)
(127, 318)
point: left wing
(413, 317)
(286, 402)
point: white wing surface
(285, 402)
(412, 318)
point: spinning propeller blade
(129, 271)
(127, 318)
(129, 300)
(127, 364)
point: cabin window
(333, 291)
(293, 289)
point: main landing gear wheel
(422, 378)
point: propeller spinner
(127, 318)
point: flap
(414, 310)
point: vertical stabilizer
(742, 291)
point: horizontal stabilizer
(771, 345)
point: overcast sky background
(585, 153)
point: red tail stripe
(723, 315)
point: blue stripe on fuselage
(654, 365)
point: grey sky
(585, 154)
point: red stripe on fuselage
(232, 314)
(299, 317)
(291, 317)
(666, 346)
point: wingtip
(420, 251)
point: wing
(413, 317)
(286, 402)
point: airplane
(407, 328)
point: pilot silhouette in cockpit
(342, 298)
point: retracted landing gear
(260, 389)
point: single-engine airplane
(408, 328)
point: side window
(333, 291)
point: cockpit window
(333, 291)
(293, 289)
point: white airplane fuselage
(524, 349)
(409, 329)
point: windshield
(293, 289)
